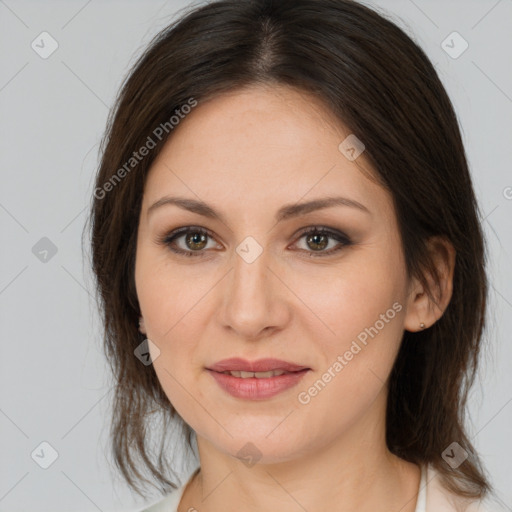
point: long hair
(381, 85)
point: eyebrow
(284, 213)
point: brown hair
(379, 84)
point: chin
(260, 448)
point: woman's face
(255, 286)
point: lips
(260, 365)
(256, 380)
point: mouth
(258, 380)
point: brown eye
(317, 242)
(318, 238)
(196, 241)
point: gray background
(54, 384)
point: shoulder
(170, 502)
(439, 499)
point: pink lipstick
(256, 380)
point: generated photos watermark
(356, 346)
(137, 156)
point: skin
(247, 153)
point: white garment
(432, 497)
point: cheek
(361, 308)
(346, 300)
(176, 304)
(173, 313)
(356, 361)
(166, 293)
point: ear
(420, 307)
(142, 327)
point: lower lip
(257, 389)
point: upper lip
(260, 365)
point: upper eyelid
(178, 232)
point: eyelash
(169, 239)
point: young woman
(290, 265)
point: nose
(255, 300)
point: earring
(141, 322)
(422, 325)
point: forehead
(260, 145)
